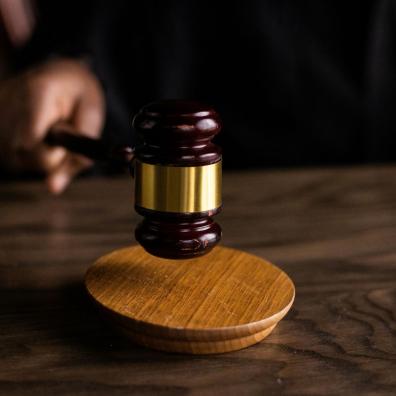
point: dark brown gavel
(177, 175)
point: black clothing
(295, 82)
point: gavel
(177, 172)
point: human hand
(58, 92)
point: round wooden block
(220, 302)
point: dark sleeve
(64, 28)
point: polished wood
(223, 301)
(177, 236)
(333, 231)
(178, 133)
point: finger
(43, 110)
(89, 114)
(41, 157)
(60, 178)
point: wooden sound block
(220, 302)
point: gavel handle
(95, 149)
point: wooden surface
(333, 231)
(221, 302)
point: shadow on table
(80, 325)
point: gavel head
(177, 178)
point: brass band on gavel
(180, 189)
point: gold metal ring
(180, 189)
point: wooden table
(332, 230)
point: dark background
(296, 83)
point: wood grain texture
(223, 301)
(332, 230)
